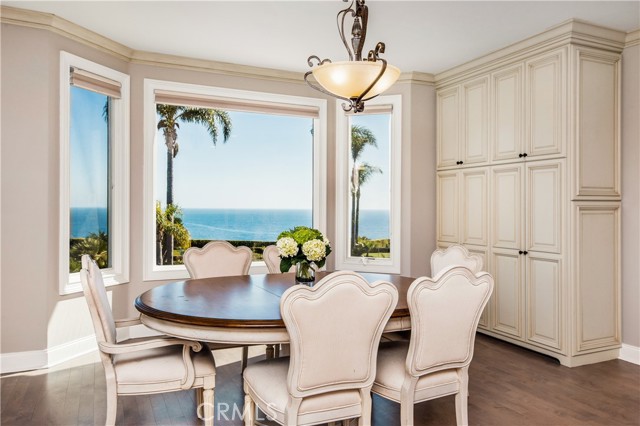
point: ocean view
(234, 224)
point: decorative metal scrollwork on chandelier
(356, 80)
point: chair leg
(276, 352)
(199, 397)
(365, 418)
(208, 401)
(112, 404)
(249, 411)
(245, 357)
(269, 352)
(406, 414)
(462, 415)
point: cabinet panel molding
(475, 198)
(508, 294)
(506, 209)
(597, 130)
(597, 275)
(448, 206)
(507, 114)
(448, 131)
(545, 104)
(475, 99)
(544, 299)
(544, 200)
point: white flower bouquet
(302, 246)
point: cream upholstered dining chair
(455, 255)
(271, 256)
(334, 330)
(444, 316)
(146, 365)
(219, 259)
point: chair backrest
(454, 255)
(444, 317)
(217, 259)
(96, 296)
(335, 329)
(271, 256)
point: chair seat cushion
(160, 365)
(391, 370)
(266, 382)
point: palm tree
(169, 222)
(95, 245)
(170, 118)
(361, 137)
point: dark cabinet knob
(525, 154)
(520, 252)
(520, 155)
(526, 253)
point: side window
(228, 165)
(93, 171)
(368, 187)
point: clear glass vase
(305, 274)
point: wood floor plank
(508, 386)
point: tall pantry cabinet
(528, 158)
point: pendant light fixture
(356, 80)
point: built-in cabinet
(528, 156)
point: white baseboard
(630, 353)
(22, 361)
(14, 362)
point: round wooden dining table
(242, 310)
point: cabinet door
(508, 293)
(448, 127)
(482, 252)
(545, 99)
(544, 206)
(597, 275)
(544, 299)
(507, 114)
(475, 119)
(448, 206)
(597, 171)
(474, 186)
(506, 209)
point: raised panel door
(448, 127)
(474, 206)
(508, 293)
(475, 146)
(507, 114)
(482, 252)
(448, 206)
(597, 275)
(544, 299)
(544, 205)
(597, 171)
(507, 206)
(544, 104)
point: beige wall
(33, 315)
(631, 196)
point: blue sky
(266, 163)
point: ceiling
(424, 36)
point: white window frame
(343, 258)
(118, 273)
(151, 271)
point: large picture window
(94, 170)
(368, 202)
(228, 165)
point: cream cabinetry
(538, 190)
(463, 113)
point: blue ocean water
(235, 224)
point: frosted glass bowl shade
(348, 79)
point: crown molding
(632, 38)
(57, 25)
(415, 77)
(572, 31)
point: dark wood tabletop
(238, 301)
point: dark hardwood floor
(508, 386)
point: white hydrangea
(287, 247)
(314, 250)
